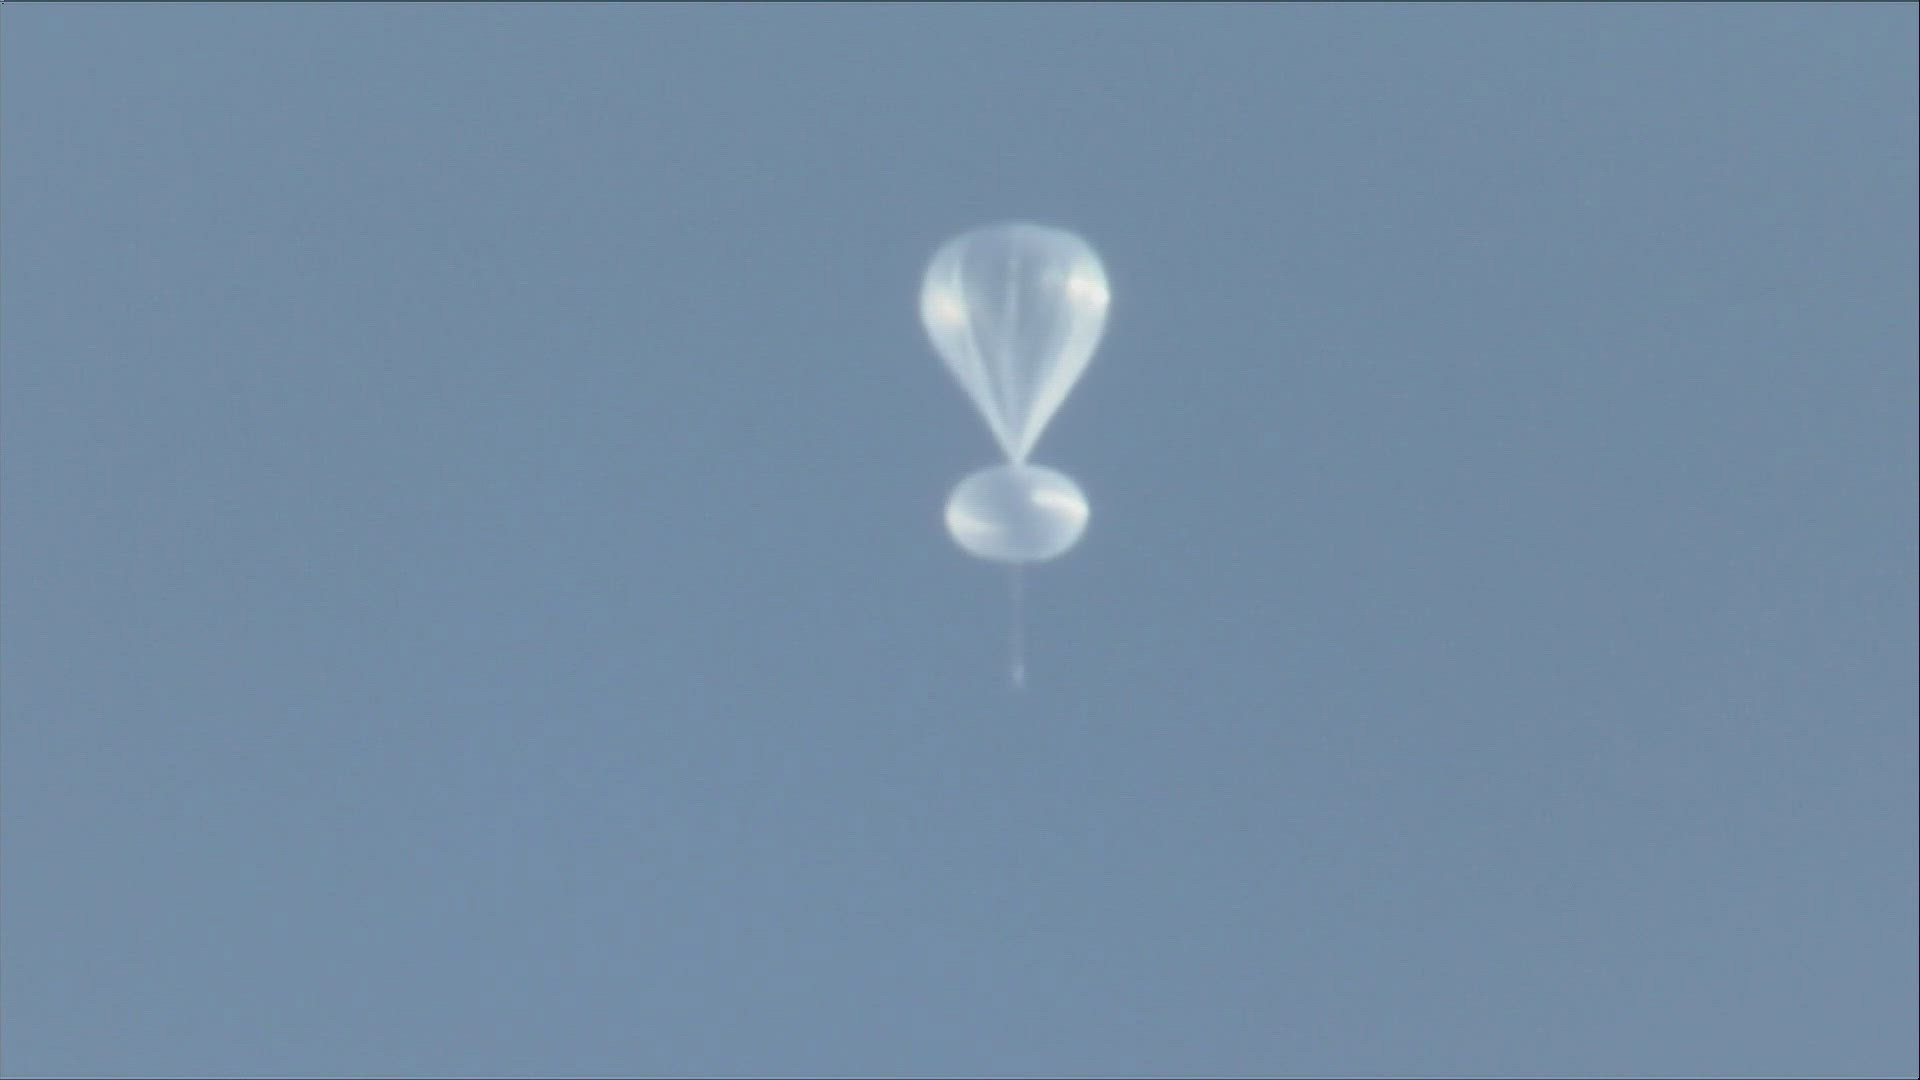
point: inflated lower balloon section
(1016, 311)
(1017, 513)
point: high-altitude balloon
(1016, 311)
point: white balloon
(1017, 513)
(1016, 311)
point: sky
(474, 598)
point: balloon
(1016, 513)
(1016, 311)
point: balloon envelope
(1016, 311)
(1017, 513)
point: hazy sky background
(475, 599)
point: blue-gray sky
(475, 598)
